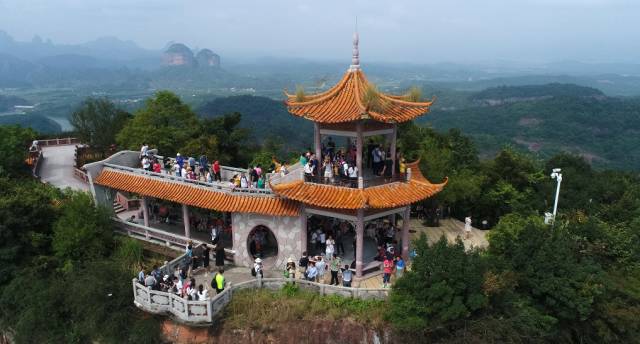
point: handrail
(215, 185)
(58, 141)
(177, 239)
(198, 312)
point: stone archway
(262, 243)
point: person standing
(180, 163)
(216, 171)
(290, 269)
(334, 267)
(202, 294)
(218, 281)
(400, 266)
(303, 263)
(321, 265)
(387, 268)
(206, 251)
(347, 276)
(330, 247)
(219, 256)
(257, 268)
(467, 227)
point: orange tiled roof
(344, 103)
(390, 195)
(196, 196)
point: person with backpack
(303, 263)
(218, 282)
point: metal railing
(218, 186)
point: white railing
(222, 187)
(296, 172)
(197, 312)
(59, 141)
(169, 239)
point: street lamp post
(558, 177)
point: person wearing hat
(165, 285)
(257, 268)
(290, 269)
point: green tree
(444, 285)
(97, 121)
(165, 123)
(82, 232)
(14, 145)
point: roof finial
(355, 57)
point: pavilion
(353, 110)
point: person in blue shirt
(180, 162)
(312, 272)
(400, 266)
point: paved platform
(57, 167)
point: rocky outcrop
(179, 54)
(207, 58)
(316, 331)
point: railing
(368, 182)
(226, 172)
(80, 174)
(58, 141)
(171, 240)
(223, 187)
(197, 312)
(296, 172)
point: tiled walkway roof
(196, 196)
(390, 195)
(344, 103)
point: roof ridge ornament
(355, 57)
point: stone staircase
(117, 207)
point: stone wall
(286, 230)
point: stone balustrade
(205, 312)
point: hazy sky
(413, 30)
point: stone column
(185, 220)
(405, 232)
(318, 144)
(394, 137)
(303, 230)
(359, 242)
(145, 211)
(359, 153)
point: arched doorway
(262, 243)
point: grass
(300, 94)
(265, 308)
(372, 100)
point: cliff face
(179, 54)
(299, 332)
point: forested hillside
(550, 119)
(267, 118)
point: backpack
(253, 272)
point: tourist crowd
(340, 167)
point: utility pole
(558, 177)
